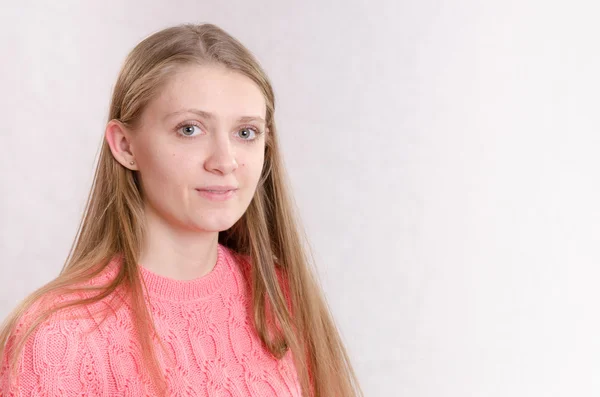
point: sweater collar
(186, 290)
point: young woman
(188, 275)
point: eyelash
(256, 130)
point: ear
(118, 138)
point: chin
(217, 222)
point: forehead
(215, 89)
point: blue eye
(248, 129)
(188, 129)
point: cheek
(161, 168)
(163, 172)
(250, 167)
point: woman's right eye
(189, 130)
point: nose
(221, 156)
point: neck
(177, 253)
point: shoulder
(244, 263)
(52, 354)
(61, 345)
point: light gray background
(444, 156)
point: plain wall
(444, 156)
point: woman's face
(206, 128)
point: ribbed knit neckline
(186, 290)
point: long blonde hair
(268, 233)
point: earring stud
(131, 162)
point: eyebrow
(211, 116)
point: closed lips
(218, 188)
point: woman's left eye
(250, 130)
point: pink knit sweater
(211, 347)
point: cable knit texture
(205, 324)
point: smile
(217, 195)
